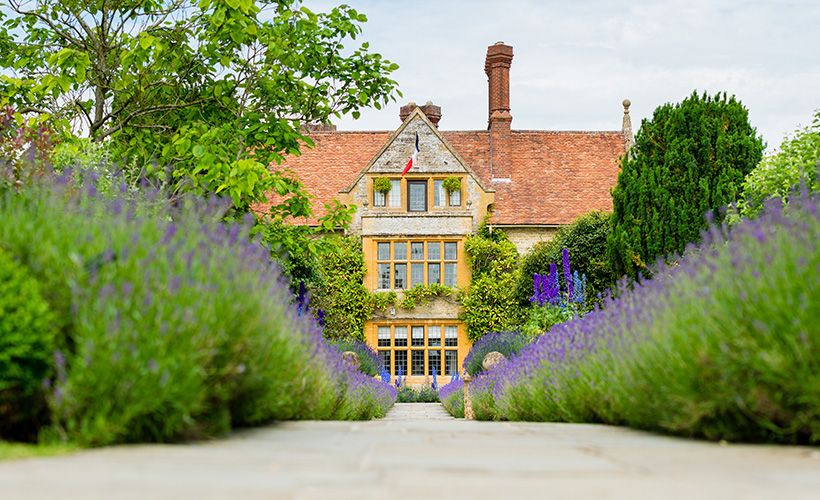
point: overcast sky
(575, 61)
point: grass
(16, 451)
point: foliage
(368, 357)
(724, 344)
(586, 240)
(382, 184)
(380, 300)
(343, 298)
(26, 351)
(780, 174)
(424, 394)
(215, 91)
(420, 294)
(507, 343)
(489, 303)
(451, 184)
(688, 159)
(172, 324)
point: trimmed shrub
(585, 239)
(407, 394)
(688, 159)
(26, 352)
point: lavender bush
(723, 344)
(172, 324)
(452, 397)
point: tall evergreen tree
(688, 159)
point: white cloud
(575, 61)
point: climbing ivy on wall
(489, 303)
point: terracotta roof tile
(555, 176)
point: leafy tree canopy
(212, 91)
(778, 175)
(688, 159)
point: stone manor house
(531, 181)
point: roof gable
(436, 154)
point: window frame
(387, 263)
(411, 356)
(423, 184)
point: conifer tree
(689, 159)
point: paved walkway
(417, 452)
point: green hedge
(26, 352)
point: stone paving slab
(418, 451)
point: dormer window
(416, 196)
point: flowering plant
(553, 306)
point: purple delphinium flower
(567, 274)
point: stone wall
(525, 237)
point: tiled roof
(555, 176)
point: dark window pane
(434, 250)
(384, 336)
(385, 357)
(417, 362)
(450, 250)
(384, 276)
(401, 363)
(417, 196)
(400, 250)
(450, 362)
(400, 334)
(433, 273)
(434, 337)
(450, 336)
(433, 361)
(417, 250)
(384, 250)
(418, 336)
(401, 276)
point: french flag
(413, 159)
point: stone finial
(492, 359)
(351, 359)
(626, 128)
(468, 405)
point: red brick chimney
(497, 67)
(430, 110)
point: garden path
(418, 451)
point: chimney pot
(430, 110)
